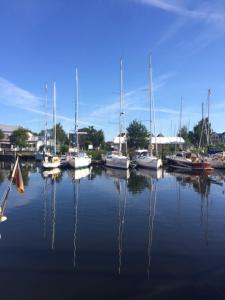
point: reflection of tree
(1, 177)
(200, 184)
(96, 171)
(137, 183)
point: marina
(113, 234)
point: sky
(43, 41)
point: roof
(8, 128)
(168, 140)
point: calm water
(109, 234)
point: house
(33, 141)
(217, 138)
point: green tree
(61, 137)
(137, 135)
(19, 137)
(200, 132)
(91, 137)
(183, 132)
(1, 135)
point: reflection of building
(33, 141)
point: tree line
(137, 136)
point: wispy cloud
(14, 96)
(205, 12)
(209, 14)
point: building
(217, 138)
(33, 141)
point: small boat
(116, 159)
(79, 159)
(186, 161)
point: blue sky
(43, 41)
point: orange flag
(19, 179)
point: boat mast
(46, 120)
(150, 108)
(121, 102)
(208, 127)
(76, 112)
(181, 111)
(54, 118)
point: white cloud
(206, 12)
(14, 96)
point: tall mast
(54, 117)
(121, 102)
(181, 108)
(150, 98)
(208, 128)
(46, 120)
(76, 112)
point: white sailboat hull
(117, 161)
(79, 162)
(150, 162)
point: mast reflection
(77, 175)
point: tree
(1, 135)
(61, 137)
(200, 133)
(137, 135)
(19, 137)
(91, 137)
(183, 132)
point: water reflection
(199, 183)
(121, 187)
(152, 212)
(118, 173)
(137, 182)
(76, 176)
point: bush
(96, 154)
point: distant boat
(145, 158)
(116, 159)
(79, 159)
(51, 161)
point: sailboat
(52, 161)
(116, 159)
(79, 159)
(146, 158)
